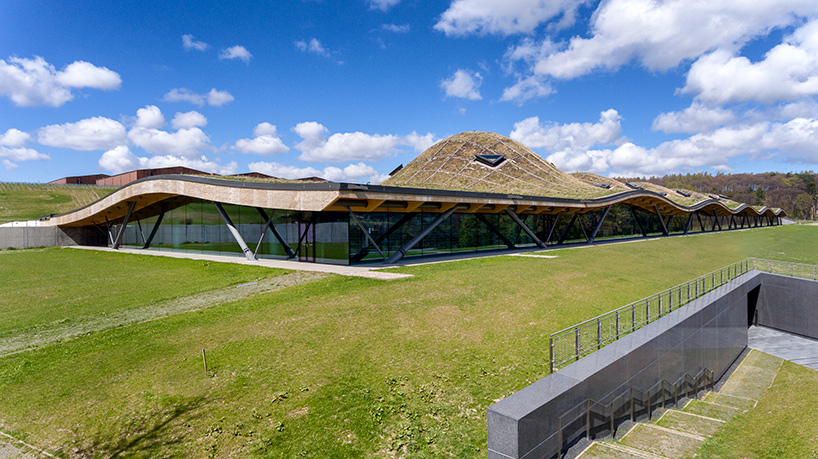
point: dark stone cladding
(710, 332)
(788, 304)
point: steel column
(661, 220)
(551, 231)
(272, 228)
(699, 217)
(156, 225)
(598, 225)
(408, 246)
(482, 218)
(121, 231)
(689, 220)
(636, 219)
(366, 233)
(565, 231)
(525, 228)
(233, 230)
(358, 256)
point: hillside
(28, 201)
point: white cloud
(351, 173)
(33, 82)
(349, 146)
(506, 17)
(420, 142)
(383, 5)
(464, 84)
(696, 118)
(313, 46)
(97, 133)
(81, 74)
(568, 137)
(236, 52)
(149, 117)
(14, 138)
(789, 71)
(404, 28)
(186, 143)
(188, 120)
(265, 142)
(214, 97)
(660, 35)
(121, 159)
(189, 42)
(10, 166)
(525, 89)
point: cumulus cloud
(97, 133)
(187, 143)
(572, 136)
(236, 52)
(464, 84)
(14, 138)
(265, 142)
(660, 35)
(464, 17)
(189, 43)
(149, 117)
(420, 142)
(383, 5)
(696, 118)
(352, 173)
(188, 120)
(339, 147)
(121, 159)
(525, 89)
(404, 28)
(789, 71)
(33, 82)
(214, 97)
(312, 46)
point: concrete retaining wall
(23, 237)
(709, 332)
(789, 304)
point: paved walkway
(797, 349)
(343, 270)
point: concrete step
(607, 450)
(711, 410)
(689, 423)
(659, 441)
(744, 404)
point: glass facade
(343, 238)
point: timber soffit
(332, 196)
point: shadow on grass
(147, 434)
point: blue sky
(349, 90)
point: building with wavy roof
(470, 193)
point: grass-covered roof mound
(492, 163)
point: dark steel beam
(366, 233)
(551, 230)
(565, 231)
(278, 236)
(121, 231)
(636, 219)
(689, 220)
(482, 218)
(365, 249)
(156, 225)
(401, 252)
(598, 225)
(699, 217)
(525, 228)
(661, 220)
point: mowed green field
(28, 201)
(337, 367)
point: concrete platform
(354, 271)
(797, 349)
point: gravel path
(38, 338)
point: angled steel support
(661, 220)
(278, 236)
(121, 231)
(524, 228)
(156, 225)
(689, 221)
(233, 230)
(365, 249)
(366, 233)
(598, 225)
(582, 227)
(699, 217)
(303, 236)
(408, 246)
(551, 231)
(565, 231)
(108, 230)
(494, 230)
(716, 220)
(141, 233)
(668, 222)
(745, 222)
(732, 221)
(636, 219)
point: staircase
(678, 433)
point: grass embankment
(28, 201)
(784, 424)
(344, 367)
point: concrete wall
(24, 237)
(789, 304)
(710, 333)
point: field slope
(28, 201)
(335, 367)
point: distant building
(132, 176)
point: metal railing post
(633, 317)
(551, 355)
(647, 311)
(599, 333)
(618, 325)
(660, 305)
(579, 346)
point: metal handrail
(759, 264)
(633, 316)
(695, 382)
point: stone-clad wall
(789, 304)
(710, 333)
(23, 237)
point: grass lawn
(783, 424)
(340, 367)
(30, 201)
